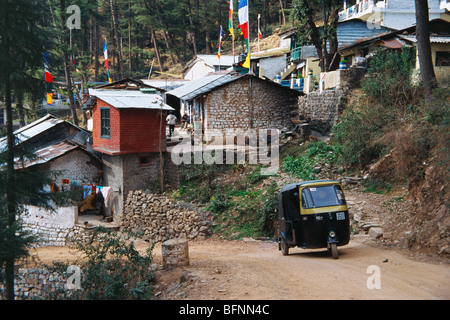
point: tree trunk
(68, 75)
(96, 51)
(116, 37)
(192, 27)
(19, 107)
(10, 197)
(206, 24)
(155, 45)
(424, 47)
(282, 13)
(130, 64)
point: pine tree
(21, 55)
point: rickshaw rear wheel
(334, 250)
(284, 247)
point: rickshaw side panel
(289, 217)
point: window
(105, 123)
(442, 59)
(322, 197)
(145, 161)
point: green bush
(302, 166)
(389, 100)
(389, 82)
(114, 270)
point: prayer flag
(48, 75)
(48, 80)
(230, 19)
(49, 98)
(243, 18)
(243, 24)
(105, 52)
(221, 36)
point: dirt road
(256, 270)
(239, 270)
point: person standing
(171, 121)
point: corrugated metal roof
(46, 154)
(52, 152)
(197, 87)
(32, 129)
(122, 99)
(433, 39)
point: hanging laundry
(86, 191)
(106, 192)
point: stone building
(129, 133)
(233, 101)
(60, 148)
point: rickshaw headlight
(332, 234)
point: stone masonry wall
(269, 106)
(53, 235)
(54, 228)
(321, 108)
(36, 283)
(159, 219)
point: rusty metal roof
(52, 152)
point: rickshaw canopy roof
(292, 186)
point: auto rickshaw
(313, 215)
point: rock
(375, 233)
(175, 253)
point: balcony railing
(360, 9)
(296, 84)
(296, 54)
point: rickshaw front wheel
(284, 247)
(334, 250)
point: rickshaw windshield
(326, 196)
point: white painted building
(394, 14)
(202, 65)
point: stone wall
(35, 283)
(126, 172)
(53, 235)
(159, 219)
(321, 108)
(74, 166)
(55, 228)
(269, 106)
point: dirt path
(239, 270)
(256, 270)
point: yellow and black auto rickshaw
(313, 215)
